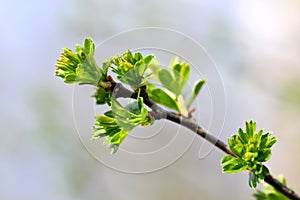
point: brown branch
(159, 113)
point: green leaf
(182, 69)
(243, 136)
(154, 67)
(181, 73)
(79, 67)
(175, 61)
(233, 165)
(89, 46)
(195, 91)
(161, 97)
(271, 141)
(176, 79)
(148, 59)
(250, 128)
(167, 81)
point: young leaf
(181, 73)
(270, 142)
(167, 81)
(175, 61)
(233, 165)
(195, 91)
(161, 97)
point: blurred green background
(255, 45)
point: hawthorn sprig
(248, 149)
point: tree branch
(159, 113)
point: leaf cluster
(252, 149)
(130, 68)
(173, 82)
(116, 123)
(79, 66)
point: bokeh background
(255, 45)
